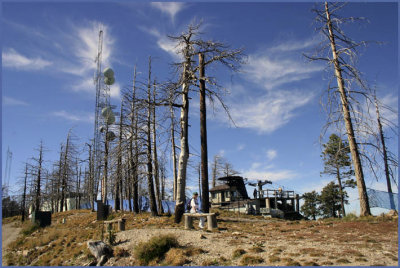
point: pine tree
(310, 208)
(330, 200)
(337, 162)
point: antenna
(97, 134)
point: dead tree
(39, 177)
(215, 169)
(385, 155)
(343, 50)
(173, 147)
(118, 183)
(155, 158)
(184, 41)
(23, 206)
(216, 53)
(150, 184)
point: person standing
(194, 208)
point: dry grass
(250, 259)
(155, 248)
(65, 244)
(274, 259)
(175, 257)
(238, 252)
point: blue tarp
(382, 199)
(144, 204)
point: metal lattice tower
(102, 101)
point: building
(232, 196)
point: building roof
(220, 188)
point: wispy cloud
(72, 51)
(271, 154)
(75, 117)
(281, 64)
(269, 112)
(295, 45)
(169, 8)
(15, 60)
(8, 101)
(163, 42)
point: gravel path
(9, 234)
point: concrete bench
(211, 220)
(121, 224)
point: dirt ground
(9, 234)
(281, 243)
(272, 242)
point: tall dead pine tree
(150, 184)
(330, 29)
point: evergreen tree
(310, 208)
(330, 200)
(337, 162)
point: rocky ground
(243, 240)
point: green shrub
(156, 247)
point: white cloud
(271, 154)
(270, 112)
(266, 174)
(170, 8)
(77, 117)
(281, 64)
(272, 71)
(8, 101)
(295, 45)
(163, 42)
(13, 59)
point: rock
(392, 213)
(102, 261)
(202, 237)
(26, 252)
(99, 249)
(236, 233)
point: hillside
(239, 240)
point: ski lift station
(232, 196)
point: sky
(48, 67)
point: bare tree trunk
(38, 180)
(150, 184)
(384, 153)
(364, 205)
(184, 154)
(175, 173)
(155, 157)
(118, 183)
(340, 191)
(64, 175)
(60, 167)
(105, 171)
(24, 194)
(203, 137)
(133, 156)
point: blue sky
(48, 66)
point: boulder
(100, 250)
(392, 213)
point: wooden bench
(121, 224)
(211, 220)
